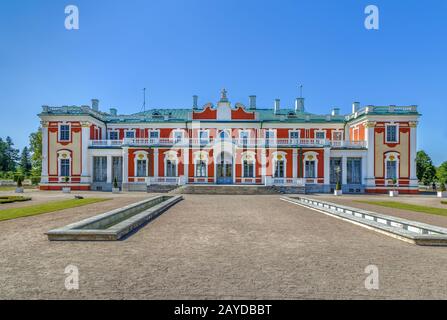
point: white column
(155, 162)
(327, 165)
(125, 165)
(85, 174)
(344, 170)
(413, 148)
(295, 163)
(109, 169)
(44, 175)
(186, 163)
(263, 164)
(369, 176)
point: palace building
(370, 150)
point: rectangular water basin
(115, 224)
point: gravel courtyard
(218, 247)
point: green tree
(425, 170)
(35, 141)
(25, 162)
(10, 155)
(3, 147)
(441, 173)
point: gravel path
(212, 247)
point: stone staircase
(226, 189)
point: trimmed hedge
(11, 199)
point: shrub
(338, 186)
(35, 180)
(442, 187)
(66, 179)
(19, 181)
(10, 199)
(115, 183)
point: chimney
(195, 100)
(355, 107)
(335, 111)
(113, 111)
(252, 103)
(299, 105)
(95, 104)
(276, 106)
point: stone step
(161, 188)
(226, 189)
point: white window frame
(335, 132)
(182, 132)
(130, 130)
(198, 158)
(275, 160)
(145, 157)
(150, 131)
(386, 132)
(117, 134)
(176, 161)
(207, 139)
(248, 156)
(320, 131)
(60, 132)
(293, 131)
(315, 159)
(387, 158)
(59, 158)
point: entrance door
(225, 169)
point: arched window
(141, 164)
(310, 164)
(279, 165)
(201, 164)
(64, 159)
(248, 165)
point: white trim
(294, 130)
(113, 130)
(320, 131)
(130, 130)
(196, 157)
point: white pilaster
(44, 175)
(109, 169)
(327, 166)
(125, 165)
(369, 175)
(155, 162)
(344, 170)
(295, 163)
(413, 148)
(186, 163)
(86, 170)
(263, 164)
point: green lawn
(407, 206)
(10, 199)
(13, 213)
(13, 188)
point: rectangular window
(391, 133)
(310, 169)
(294, 135)
(65, 168)
(337, 136)
(154, 134)
(354, 170)
(117, 169)
(203, 136)
(171, 168)
(391, 170)
(178, 136)
(64, 132)
(336, 170)
(249, 169)
(320, 135)
(141, 168)
(113, 135)
(99, 169)
(130, 134)
(279, 169)
(200, 168)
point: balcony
(242, 143)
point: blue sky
(179, 48)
